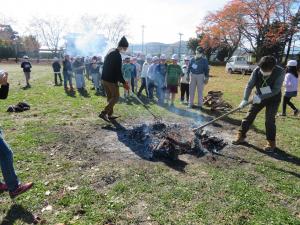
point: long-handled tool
(221, 117)
(158, 118)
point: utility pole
(143, 30)
(179, 51)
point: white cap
(55, 59)
(174, 57)
(187, 58)
(149, 56)
(25, 57)
(155, 58)
(163, 57)
(292, 63)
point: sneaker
(282, 114)
(296, 112)
(3, 187)
(104, 117)
(190, 106)
(20, 189)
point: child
(127, 72)
(26, 65)
(133, 74)
(56, 69)
(95, 72)
(291, 87)
(174, 72)
(184, 82)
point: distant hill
(157, 48)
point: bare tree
(49, 31)
(116, 29)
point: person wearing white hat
(184, 82)
(291, 87)
(26, 65)
(174, 73)
(56, 69)
(145, 68)
(151, 76)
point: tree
(192, 44)
(49, 31)
(30, 43)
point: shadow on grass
(277, 154)
(241, 160)
(139, 149)
(18, 212)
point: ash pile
(168, 141)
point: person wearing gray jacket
(267, 79)
(198, 74)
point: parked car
(239, 64)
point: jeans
(7, 167)
(80, 82)
(271, 111)
(151, 87)
(143, 86)
(96, 80)
(67, 78)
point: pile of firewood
(215, 102)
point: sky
(163, 19)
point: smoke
(90, 44)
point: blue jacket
(199, 66)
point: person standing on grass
(267, 78)
(56, 69)
(138, 74)
(26, 65)
(174, 72)
(12, 183)
(291, 87)
(111, 76)
(152, 76)
(68, 73)
(78, 68)
(161, 71)
(184, 82)
(144, 72)
(94, 70)
(127, 69)
(198, 74)
(133, 75)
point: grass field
(75, 184)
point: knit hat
(292, 63)
(123, 42)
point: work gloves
(243, 104)
(256, 99)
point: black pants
(287, 101)
(55, 78)
(132, 84)
(184, 89)
(271, 111)
(143, 86)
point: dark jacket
(26, 67)
(67, 66)
(4, 91)
(78, 67)
(112, 68)
(56, 67)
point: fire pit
(161, 140)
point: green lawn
(244, 186)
